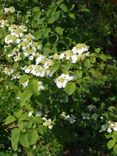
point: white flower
(26, 53)
(47, 122)
(115, 128)
(9, 10)
(64, 116)
(8, 71)
(68, 54)
(25, 84)
(47, 64)
(103, 128)
(40, 58)
(38, 113)
(38, 71)
(17, 58)
(28, 69)
(109, 130)
(8, 39)
(40, 86)
(3, 23)
(62, 80)
(74, 58)
(86, 116)
(72, 119)
(18, 41)
(80, 48)
(31, 58)
(30, 113)
(62, 56)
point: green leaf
(33, 86)
(110, 144)
(83, 8)
(103, 57)
(41, 129)
(10, 119)
(72, 16)
(32, 137)
(24, 78)
(63, 7)
(24, 140)
(115, 149)
(78, 73)
(25, 96)
(93, 59)
(10, 19)
(59, 30)
(70, 88)
(18, 114)
(54, 67)
(87, 63)
(15, 138)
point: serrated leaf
(10, 119)
(32, 137)
(110, 144)
(70, 88)
(15, 138)
(24, 140)
(63, 7)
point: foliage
(56, 93)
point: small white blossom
(62, 80)
(62, 56)
(3, 23)
(40, 86)
(9, 10)
(25, 84)
(80, 48)
(47, 122)
(40, 59)
(30, 113)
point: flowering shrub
(54, 99)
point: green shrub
(55, 93)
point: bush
(56, 94)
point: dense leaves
(58, 95)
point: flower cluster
(71, 118)
(3, 23)
(62, 80)
(25, 45)
(109, 127)
(8, 71)
(80, 51)
(86, 116)
(9, 10)
(48, 122)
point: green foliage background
(58, 26)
